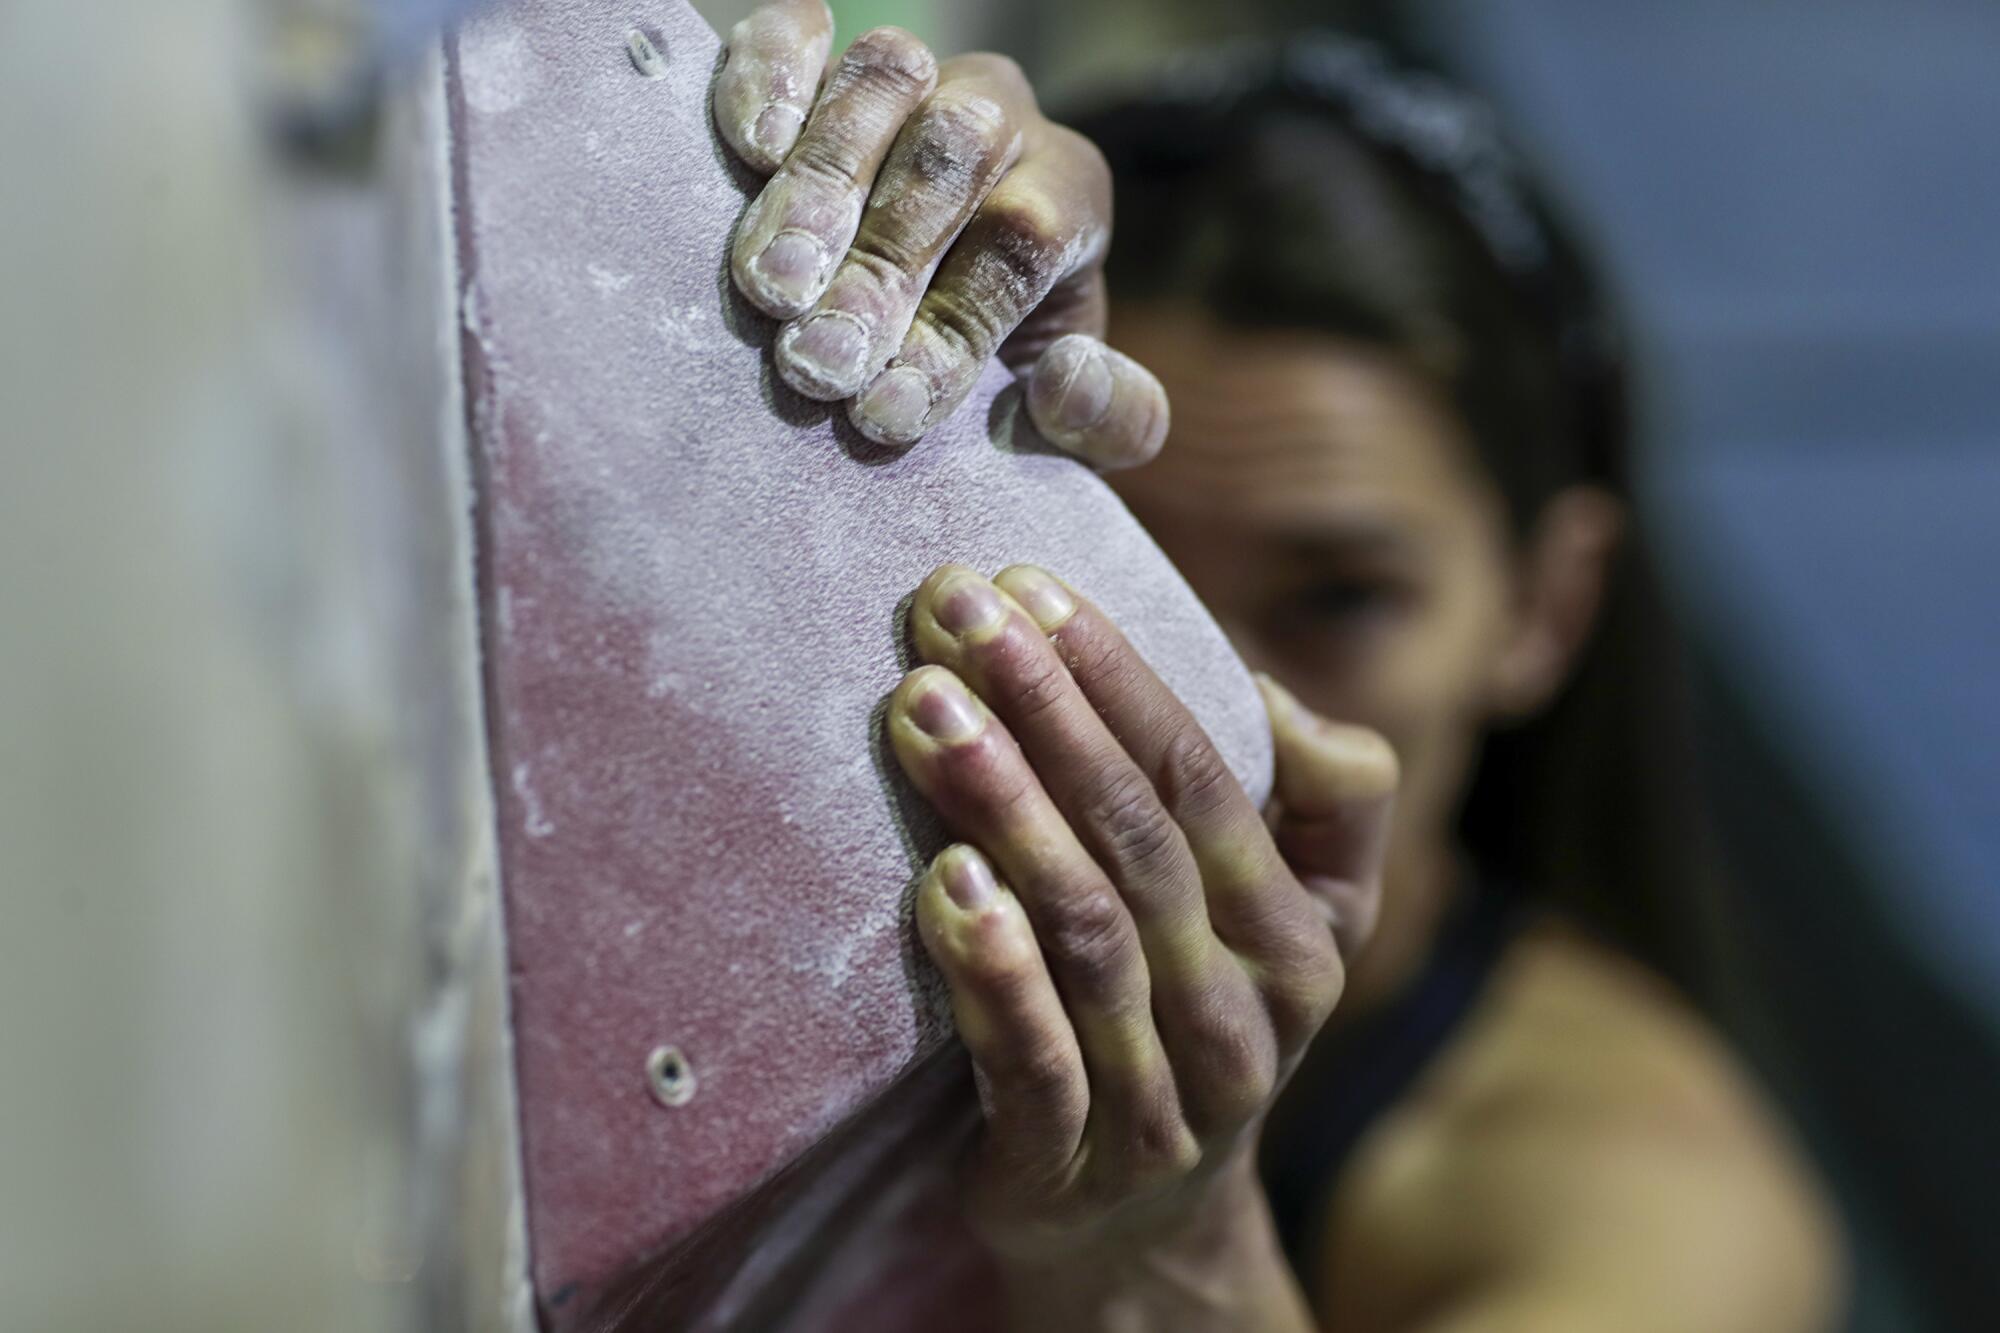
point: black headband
(1451, 139)
(1444, 132)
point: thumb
(1097, 404)
(1335, 787)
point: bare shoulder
(1586, 1150)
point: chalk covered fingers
(771, 79)
(800, 226)
(951, 152)
(918, 216)
(1133, 965)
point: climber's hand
(920, 218)
(1136, 958)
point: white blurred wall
(246, 930)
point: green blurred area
(929, 19)
(1069, 46)
(852, 17)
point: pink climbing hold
(737, 1093)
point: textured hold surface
(692, 589)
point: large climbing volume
(738, 1095)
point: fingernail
(969, 880)
(788, 267)
(825, 354)
(777, 129)
(1040, 595)
(1085, 396)
(895, 406)
(944, 711)
(966, 602)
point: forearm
(1223, 1271)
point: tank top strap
(1359, 1071)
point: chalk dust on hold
(696, 578)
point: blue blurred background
(1801, 201)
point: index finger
(1224, 829)
(1256, 906)
(767, 86)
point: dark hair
(1321, 183)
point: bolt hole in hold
(670, 1076)
(646, 57)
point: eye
(1340, 599)
(1341, 605)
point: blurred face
(1328, 508)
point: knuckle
(1043, 1076)
(1161, 1148)
(1303, 993)
(1089, 939)
(825, 161)
(1097, 655)
(1242, 1066)
(958, 139)
(1016, 259)
(995, 69)
(1033, 687)
(966, 118)
(893, 58)
(1134, 828)
(1083, 151)
(880, 261)
(1024, 233)
(967, 327)
(1193, 778)
(1025, 220)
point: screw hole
(670, 1076)
(646, 57)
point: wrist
(1213, 1263)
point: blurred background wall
(252, 1062)
(1805, 223)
